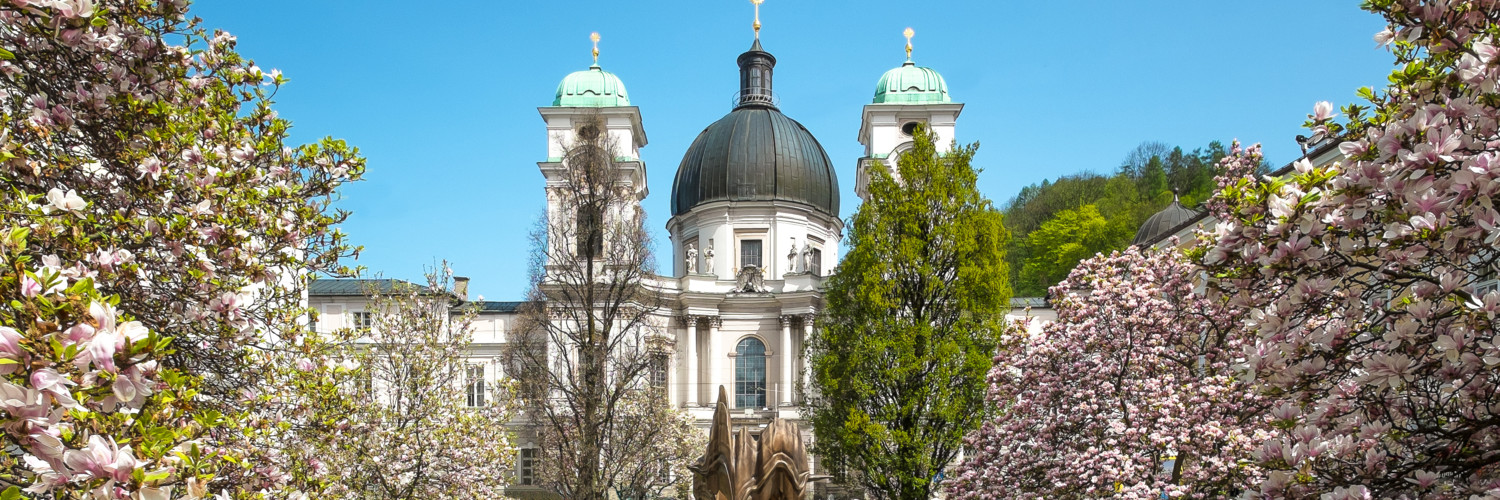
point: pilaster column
(807, 324)
(788, 357)
(714, 322)
(691, 358)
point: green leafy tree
(1069, 237)
(914, 315)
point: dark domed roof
(755, 153)
(759, 154)
(1163, 223)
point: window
(659, 371)
(475, 387)
(363, 320)
(1487, 281)
(749, 253)
(750, 374)
(524, 362)
(754, 86)
(910, 128)
(817, 262)
(590, 231)
(526, 467)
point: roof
(352, 287)
(591, 88)
(348, 287)
(911, 84)
(1021, 302)
(1163, 222)
(1324, 147)
(756, 154)
(489, 306)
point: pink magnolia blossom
(1384, 372)
(10, 349)
(142, 163)
(68, 201)
(102, 458)
(1130, 393)
(1323, 111)
(29, 286)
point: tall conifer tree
(914, 315)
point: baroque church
(754, 229)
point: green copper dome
(591, 88)
(910, 84)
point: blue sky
(442, 97)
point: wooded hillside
(1057, 223)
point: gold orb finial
(908, 33)
(757, 17)
(594, 37)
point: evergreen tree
(914, 315)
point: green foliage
(914, 315)
(1067, 238)
(1141, 186)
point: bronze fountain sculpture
(735, 467)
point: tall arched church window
(750, 374)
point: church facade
(755, 223)
(754, 229)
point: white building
(755, 190)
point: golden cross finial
(757, 17)
(594, 37)
(909, 33)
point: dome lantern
(756, 153)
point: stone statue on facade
(692, 259)
(735, 467)
(791, 257)
(807, 257)
(708, 257)
(751, 279)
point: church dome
(1163, 223)
(755, 153)
(591, 88)
(911, 84)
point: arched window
(590, 232)
(750, 374)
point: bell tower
(592, 106)
(905, 97)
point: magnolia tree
(156, 226)
(1365, 279)
(410, 421)
(1130, 393)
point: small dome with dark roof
(1163, 223)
